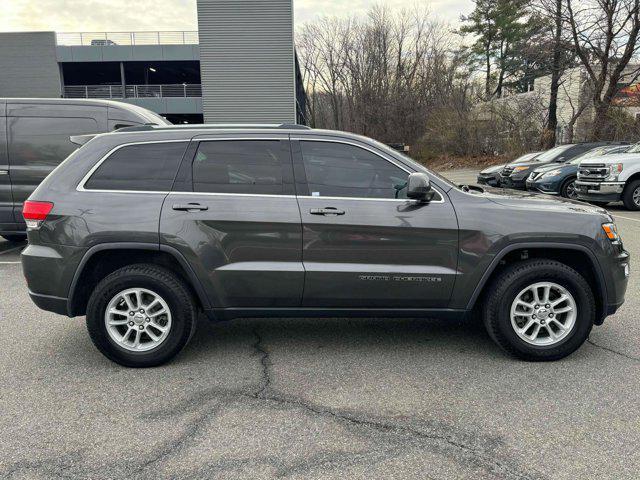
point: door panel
(395, 254)
(244, 246)
(245, 250)
(363, 245)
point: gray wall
(28, 66)
(247, 61)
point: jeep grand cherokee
(141, 229)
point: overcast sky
(137, 15)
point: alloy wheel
(572, 193)
(138, 319)
(543, 314)
(636, 196)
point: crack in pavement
(611, 350)
(265, 362)
(393, 437)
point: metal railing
(190, 90)
(105, 39)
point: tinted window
(340, 170)
(240, 166)
(45, 141)
(145, 167)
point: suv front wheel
(540, 310)
(141, 316)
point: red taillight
(35, 211)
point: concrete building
(239, 67)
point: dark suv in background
(141, 229)
(516, 175)
(35, 138)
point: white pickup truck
(611, 178)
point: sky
(138, 15)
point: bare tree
(605, 38)
(381, 75)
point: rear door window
(149, 167)
(260, 167)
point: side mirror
(419, 188)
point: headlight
(614, 171)
(552, 173)
(611, 231)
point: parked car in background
(140, 230)
(34, 139)
(560, 179)
(515, 175)
(491, 176)
(612, 178)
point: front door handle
(326, 211)
(190, 207)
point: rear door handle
(326, 211)
(190, 207)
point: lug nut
(140, 327)
(131, 324)
(547, 306)
(131, 314)
(147, 319)
(141, 310)
(534, 317)
(551, 315)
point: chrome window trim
(81, 186)
(369, 149)
(399, 200)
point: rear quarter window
(149, 167)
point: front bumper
(490, 180)
(600, 191)
(550, 188)
(516, 183)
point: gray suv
(141, 229)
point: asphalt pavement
(318, 399)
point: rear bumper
(48, 270)
(50, 303)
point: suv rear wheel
(631, 195)
(540, 310)
(141, 316)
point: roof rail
(214, 126)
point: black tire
(566, 189)
(15, 238)
(157, 279)
(628, 195)
(511, 282)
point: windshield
(596, 152)
(551, 155)
(634, 149)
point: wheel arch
(566, 181)
(101, 260)
(577, 257)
